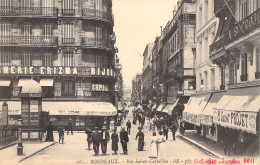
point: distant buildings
(137, 89)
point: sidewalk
(9, 155)
(209, 145)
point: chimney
(174, 11)
(161, 30)
(179, 3)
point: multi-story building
(68, 47)
(207, 73)
(147, 74)
(137, 89)
(236, 51)
(178, 39)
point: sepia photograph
(147, 82)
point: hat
(104, 127)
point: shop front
(238, 110)
(82, 113)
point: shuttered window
(5, 58)
(68, 59)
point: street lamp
(20, 142)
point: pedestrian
(161, 145)
(134, 119)
(96, 138)
(128, 126)
(153, 149)
(174, 129)
(140, 136)
(89, 133)
(49, 136)
(115, 139)
(165, 131)
(61, 135)
(70, 126)
(104, 139)
(124, 140)
(227, 141)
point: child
(61, 135)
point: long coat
(115, 139)
(140, 136)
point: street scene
(129, 82)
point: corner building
(68, 47)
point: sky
(137, 23)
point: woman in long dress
(161, 145)
(140, 136)
(115, 140)
(153, 149)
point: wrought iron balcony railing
(94, 42)
(28, 40)
(97, 14)
(28, 11)
(68, 12)
(68, 40)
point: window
(47, 29)
(101, 61)
(5, 58)
(47, 3)
(68, 59)
(258, 59)
(99, 33)
(26, 3)
(247, 7)
(222, 69)
(244, 64)
(212, 79)
(6, 3)
(26, 59)
(68, 88)
(47, 59)
(68, 34)
(5, 29)
(206, 80)
(27, 29)
(67, 4)
(206, 10)
(98, 4)
(232, 73)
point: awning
(14, 107)
(5, 83)
(79, 108)
(195, 106)
(22, 82)
(171, 106)
(46, 82)
(207, 117)
(154, 106)
(160, 108)
(238, 109)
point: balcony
(41, 41)
(82, 71)
(82, 94)
(95, 42)
(11, 11)
(68, 12)
(97, 14)
(68, 40)
(244, 77)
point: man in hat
(96, 138)
(124, 140)
(70, 126)
(104, 139)
(128, 126)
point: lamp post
(20, 142)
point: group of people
(103, 138)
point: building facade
(236, 51)
(147, 74)
(137, 89)
(68, 47)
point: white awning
(160, 108)
(22, 82)
(14, 107)
(46, 82)
(79, 108)
(154, 106)
(5, 83)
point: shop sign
(191, 118)
(102, 71)
(39, 70)
(206, 120)
(245, 121)
(69, 112)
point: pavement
(9, 155)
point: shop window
(79, 122)
(5, 58)
(68, 88)
(243, 67)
